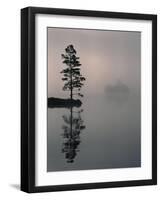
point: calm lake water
(103, 133)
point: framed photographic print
(88, 99)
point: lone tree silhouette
(71, 74)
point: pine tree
(71, 74)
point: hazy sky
(107, 58)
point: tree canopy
(73, 79)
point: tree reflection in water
(73, 127)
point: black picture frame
(28, 98)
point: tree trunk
(71, 92)
(71, 121)
(71, 88)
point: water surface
(104, 134)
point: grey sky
(106, 57)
